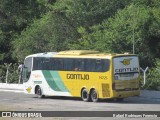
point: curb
(11, 90)
(11, 87)
(150, 94)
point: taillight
(113, 86)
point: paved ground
(18, 101)
(13, 99)
(4, 86)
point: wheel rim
(94, 95)
(85, 95)
(39, 92)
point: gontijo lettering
(123, 70)
(78, 76)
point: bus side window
(55, 64)
(37, 63)
(106, 64)
(98, 67)
(60, 64)
(78, 64)
(90, 65)
(81, 65)
(46, 64)
(52, 64)
(68, 64)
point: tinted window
(90, 65)
(78, 64)
(40, 63)
(59, 64)
(70, 64)
(96, 65)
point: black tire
(94, 96)
(85, 95)
(39, 93)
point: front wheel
(39, 93)
(94, 96)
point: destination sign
(123, 70)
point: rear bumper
(125, 94)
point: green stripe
(50, 80)
(54, 80)
(59, 81)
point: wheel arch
(36, 87)
(91, 89)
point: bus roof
(45, 54)
(88, 53)
(77, 53)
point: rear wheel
(94, 96)
(85, 95)
(39, 92)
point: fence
(144, 74)
(9, 73)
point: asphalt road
(14, 101)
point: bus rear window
(126, 67)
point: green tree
(153, 77)
(137, 23)
(88, 12)
(15, 15)
(50, 33)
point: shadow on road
(130, 100)
(62, 98)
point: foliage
(2, 73)
(153, 77)
(88, 12)
(33, 26)
(12, 74)
(15, 15)
(116, 34)
(51, 33)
